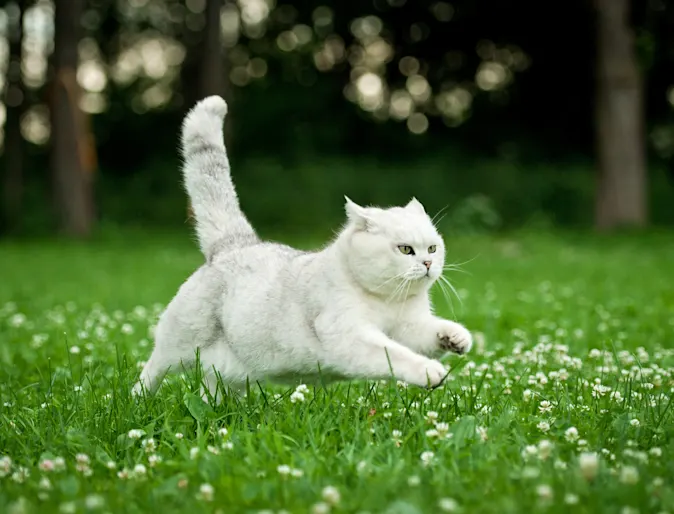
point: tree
(621, 189)
(14, 97)
(72, 149)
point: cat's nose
(428, 264)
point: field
(563, 405)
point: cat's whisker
(447, 297)
(453, 289)
(433, 219)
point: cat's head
(392, 252)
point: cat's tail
(220, 223)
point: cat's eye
(431, 249)
(406, 249)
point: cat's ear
(356, 214)
(415, 205)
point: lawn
(563, 405)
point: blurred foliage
(381, 100)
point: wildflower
(213, 449)
(302, 388)
(629, 475)
(20, 475)
(149, 444)
(432, 433)
(111, 464)
(283, 469)
(331, 495)
(589, 465)
(46, 465)
(45, 484)
(413, 480)
(655, 452)
(616, 396)
(530, 472)
(526, 395)
(545, 406)
(136, 433)
(427, 458)
(571, 434)
(5, 465)
(448, 505)
(571, 499)
(431, 416)
(68, 508)
(297, 473)
(529, 451)
(544, 449)
(127, 329)
(94, 501)
(223, 432)
(123, 474)
(183, 483)
(560, 465)
(442, 428)
(320, 508)
(194, 452)
(296, 397)
(544, 492)
(206, 492)
(227, 445)
(75, 349)
(482, 432)
(543, 426)
(179, 435)
(139, 471)
(153, 460)
(397, 437)
(635, 422)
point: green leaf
(199, 409)
(70, 486)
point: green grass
(572, 331)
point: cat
(357, 309)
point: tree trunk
(72, 159)
(621, 198)
(14, 103)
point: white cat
(357, 309)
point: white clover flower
(589, 465)
(448, 505)
(45, 484)
(331, 495)
(194, 452)
(320, 508)
(432, 433)
(655, 452)
(427, 457)
(302, 388)
(139, 471)
(629, 475)
(413, 480)
(571, 499)
(150, 445)
(283, 469)
(571, 434)
(544, 492)
(94, 501)
(635, 422)
(543, 426)
(297, 473)
(431, 416)
(545, 449)
(296, 397)
(179, 435)
(206, 492)
(153, 460)
(136, 433)
(545, 406)
(223, 432)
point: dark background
(505, 132)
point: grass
(563, 405)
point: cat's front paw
(454, 337)
(426, 373)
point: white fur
(357, 309)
